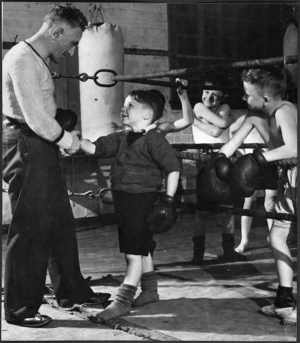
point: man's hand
(87, 146)
(75, 144)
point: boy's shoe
(290, 319)
(272, 311)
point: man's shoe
(36, 321)
(272, 311)
(97, 298)
(290, 319)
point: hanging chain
(99, 11)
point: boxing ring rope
(246, 212)
(140, 78)
(203, 157)
(263, 214)
(188, 71)
(208, 146)
(225, 208)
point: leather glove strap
(259, 157)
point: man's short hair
(153, 98)
(70, 14)
(270, 79)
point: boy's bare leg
(284, 306)
(282, 255)
(147, 264)
(134, 269)
(270, 204)
(227, 224)
(246, 223)
(149, 292)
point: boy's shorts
(132, 209)
(286, 195)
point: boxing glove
(212, 179)
(266, 178)
(163, 216)
(222, 165)
(67, 119)
(106, 196)
(244, 171)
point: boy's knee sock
(149, 290)
(199, 248)
(121, 305)
(284, 297)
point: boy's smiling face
(253, 96)
(212, 98)
(133, 112)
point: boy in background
(276, 121)
(211, 125)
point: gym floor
(217, 301)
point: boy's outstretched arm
(172, 183)
(237, 139)
(87, 146)
(187, 112)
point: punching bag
(101, 47)
(290, 48)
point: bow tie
(133, 136)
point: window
(203, 35)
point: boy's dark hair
(153, 98)
(270, 79)
(214, 82)
(72, 15)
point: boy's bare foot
(242, 247)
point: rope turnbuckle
(83, 77)
(90, 194)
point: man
(42, 225)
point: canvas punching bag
(290, 48)
(101, 47)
